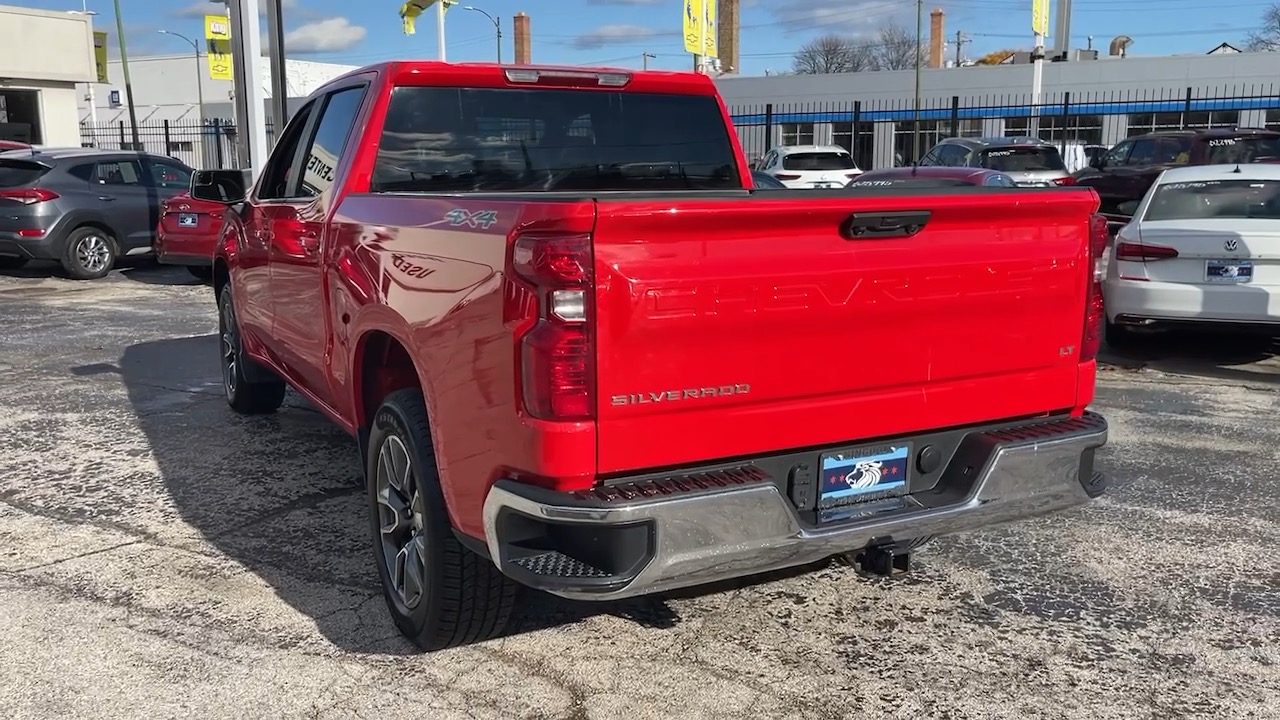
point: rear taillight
(557, 353)
(1068, 180)
(787, 177)
(1099, 235)
(1139, 252)
(29, 196)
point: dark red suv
(1126, 171)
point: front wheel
(440, 594)
(245, 396)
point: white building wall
(47, 52)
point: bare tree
(832, 54)
(897, 49)
(1267, 36)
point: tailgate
(730, 327)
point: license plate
(864, 475)
(1228, 271)
(823, 185)
(188, 220)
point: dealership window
(20, 116)
(859, 143)
(1273, 120)
(797, 134)
(931, 131)
(1141, 123)
(1086, 129)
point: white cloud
(322, 36)
(841, 16)
(609, 34)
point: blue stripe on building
(1114, 108)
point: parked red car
(932, 176)
(187, 233)
(579, 352)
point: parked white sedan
(1203, 248)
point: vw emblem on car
(1230, 245)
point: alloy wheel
(401, 523)
(230, 350)
(93, 253)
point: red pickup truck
(580, 353)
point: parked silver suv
(1031, 162)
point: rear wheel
(439, 593)
(10, 262)
(90, 253)
(245, 396)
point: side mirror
(1129, 207)
(220, 186)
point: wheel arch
(381, 364)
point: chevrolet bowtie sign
(410, 11)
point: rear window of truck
(1246, 149)
(1022, 159)
(527, 140)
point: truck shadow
(282, 496)
(1235, 357)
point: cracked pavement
(161, 557)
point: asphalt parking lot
(160, 557)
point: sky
(620, 32)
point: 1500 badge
(679, 395)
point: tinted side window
(528, 140)
(336, 119)
(120, 172)
(276, 175)
(931, 157)
(954, 155)
(1145, 152)
(84, 172)
(170, 176)
(1119, 155)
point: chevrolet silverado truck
(580, 353)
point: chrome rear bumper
(673, 536)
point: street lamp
(497, 27)
(199, 85)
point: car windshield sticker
(1222, 142)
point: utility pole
(960, 42)
(645, 57)
(128, 84)
(915, 140)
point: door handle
(878, 226)
(106, 197)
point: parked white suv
(810, 166)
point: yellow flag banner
(1040, 17)
(410, 11)
(700, 24)
(100, 55)
(217, 34)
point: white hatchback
(1203, 248)
(810, 166)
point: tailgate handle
(875, 226)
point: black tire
(203, 274)
(90, 253)
(9, 262)
(245, 396)
(462, 597)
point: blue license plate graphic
(1228, 271)
(188, 220)
(864, 475)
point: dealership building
(1095, 101)
(43, 55)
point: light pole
(199, 77)
(128, 84)
(497, 27)
(93, 103)
(915, 140)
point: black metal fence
(209, 144)
(879, 132)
